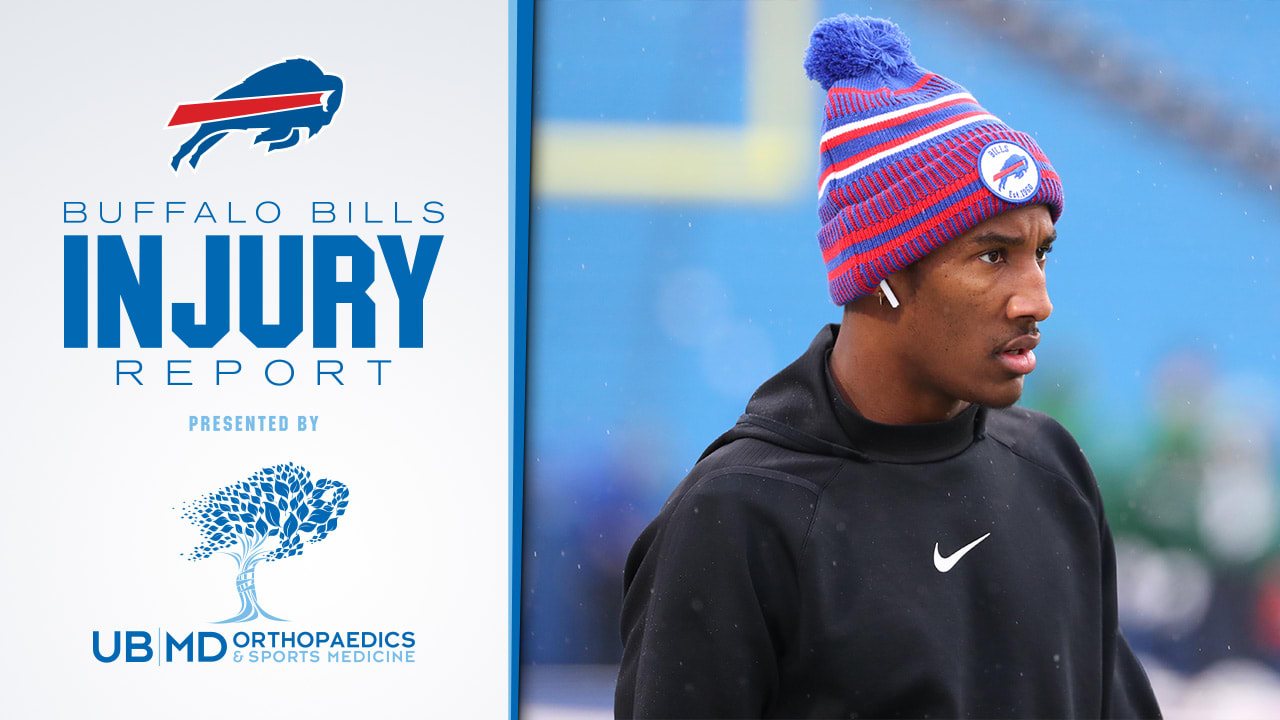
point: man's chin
(1002, 395)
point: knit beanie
(909, 159)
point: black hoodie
(817, 564)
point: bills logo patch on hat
(1009, 171)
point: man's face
(970, 322)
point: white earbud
(888, 292)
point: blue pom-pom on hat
(849, 46)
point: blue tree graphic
(265, 518)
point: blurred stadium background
(674, 267)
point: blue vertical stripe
(519, 137)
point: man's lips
(1017, 354)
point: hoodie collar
(801, 407)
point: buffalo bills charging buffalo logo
(1015, 167)
(281, 101)
(1009, 171)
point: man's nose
(1031, 296)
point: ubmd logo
(270, 516)
(265, 518)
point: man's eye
(991, 256)
(1043, 251)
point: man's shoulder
(748, 457)
(1042, 440)
(751, 480)
(1015, 425)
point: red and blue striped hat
(909, 159)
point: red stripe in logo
(1009, 170)
(242, 107)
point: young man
(882, 534)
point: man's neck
(875, 383)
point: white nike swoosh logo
(946, 563)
